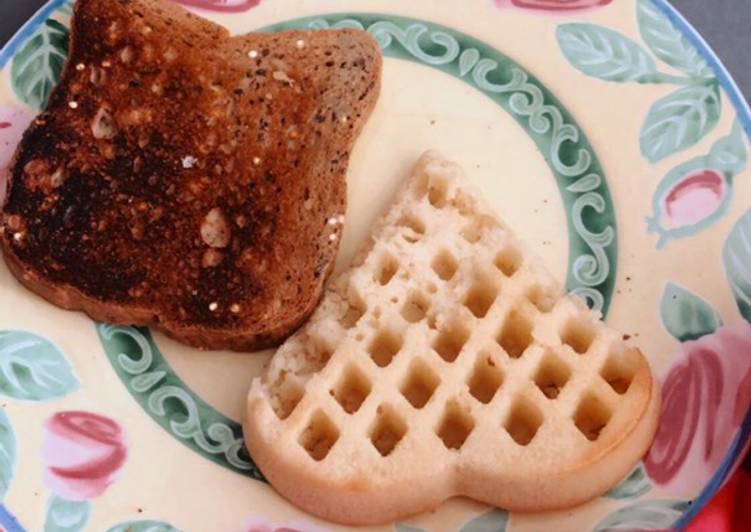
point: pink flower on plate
(705, 396)
(259, 524)
(552, 5)
(83, 454)
(695, 197)
(13, 122)
(222, 6)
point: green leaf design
(36, 67)
(643, 515)
(736, 256)
(143, 526)
(667, 42)
(66, 7)
(66, 516)
(685, 315)
(7, 453)
(33, 368)
(494, 520)
(634, 485)
(679, 120)
(603, 53)
(729, 153)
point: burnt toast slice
(187, 180)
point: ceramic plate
(604, 131)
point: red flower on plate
(261, 524)
(704, 398)
(13, 122)
(83, 453)
(552, 5)
(222, 6)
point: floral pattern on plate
(13, 122)
(221, 6)
(83, 453)
(555, 6)
(706, 394)
(706, 384)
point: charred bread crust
(187, 180)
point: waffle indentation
(523, 421)
(387, 430)
(591, 417)
(552, 375)
(356, 308)
(352, 389)
(455, 427)
(287, 395)
(515, 335)
(387, 269)
(438, 192)
(384, 347)
(485, 379)
(320, 351)
(415, 307)
(319, 436)
(420, 384)
(415, 228)
(540, 298)
(578, 335)
(481, 296)
(508, 260)
(618, 372)
(480, 223)
(444, 265)
(450, 340)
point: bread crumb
(58, 177)
(215, 230)
(253, 54)
(211, 258)
(103, 126)
(14, 222)
(97, 75)
(213, 306)
(170, 54)
(280, 75)
(189, 161)
(73, 105)
(126, 54)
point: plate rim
(742, 442)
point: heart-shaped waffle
(447, 362)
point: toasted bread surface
(188, 180)
(446, 362)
